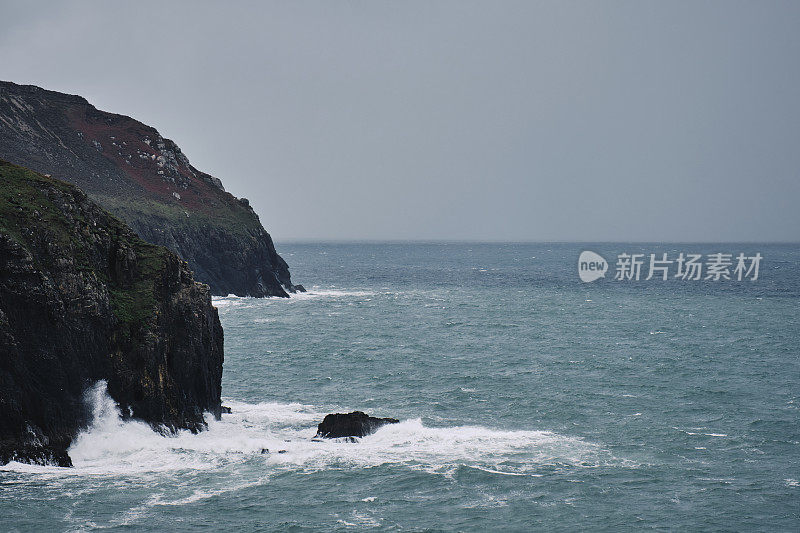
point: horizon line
(500, 241)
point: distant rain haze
(513, 121)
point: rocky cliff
(145, 180)
(82, 299)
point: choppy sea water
(528, 400)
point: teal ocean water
(528, 401)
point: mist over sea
(527, 400)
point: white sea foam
(316, 292)
(698, 431)
(113, 446)
(243, 302)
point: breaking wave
(279, 435)
(232, 301)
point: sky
(453, 120)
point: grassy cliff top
(61, 229)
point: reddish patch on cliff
(133, 147)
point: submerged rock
(355, 424)
(83, 299)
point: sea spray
(259, 431)
(522, 407)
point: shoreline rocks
(145, 180)
(84, 299)
(355, 424)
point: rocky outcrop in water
(144, 179)
(83, 299)
(355, 424)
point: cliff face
(145, 180)
(82, 298)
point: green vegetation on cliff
(146, 181)
(84, 299)
(26, 196)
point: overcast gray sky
(454, 120)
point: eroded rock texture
(83, 299)
(144, 179)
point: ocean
(528, 400)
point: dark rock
(355, 424)
(295, 288)
(225, 410)
(83, 299)
(145, 180)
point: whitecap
(258, 431)
(316, 292)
